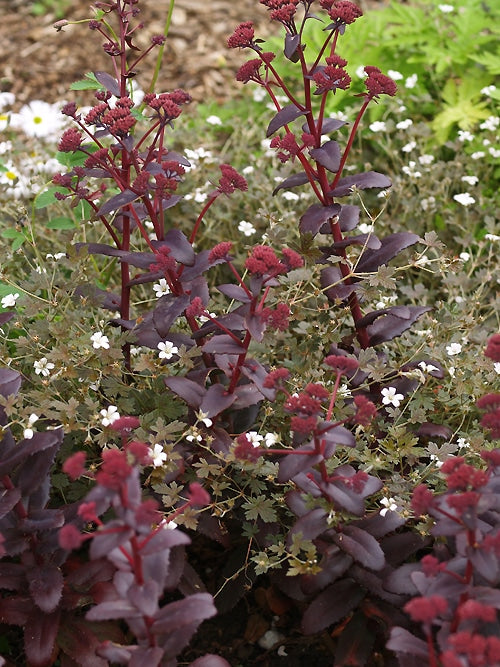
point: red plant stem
(201, 216)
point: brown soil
(36, 62)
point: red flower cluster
(332, 77)
(343, 365)
(98, 158)
(462, 477)
(195, 308)
(264, 261)
(119, 120)
(242, 37)
(476, 649)
(342, 12)
(70, 141)
(276, 378)
(277, 319)
(365, 410)
(493, 348)
(74, 466)
(285, 13)
(167, 105)
(95, 115)
(249, 71)
(287, 146)
(245, 450)
(425, 610)
(114, 471)
(220, 251)
(164, 262)
(490, 420)
(231, 180)
(378, 84)
(421, 500)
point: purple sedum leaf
(179, 620)
(284, 116)
(362, 546)
(390, 246)
(45, 584)
(402, 641)
(363, 181)
(39, 637)
(109, 83)
(332, 605)
(188, 390)
(10, 382)
(223, 344)
(116, 202)
(292, 181)
(291, 44)
(328, 156)
(316, 216)
(216, 400)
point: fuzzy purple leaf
(364, 181)
(362, 546)
(8, 500)
(167, 310)
(110, 609)
(332, 605)
(162, 540)
(292, 181)
(223, 344)
(109, 83)
(293, 464)
(291, 44)
(116, 202)
(400, 581)
(391, 246)
(378, 525)
(234, 292)
(309, 526)
(216, 400)
(189, 391)
(402, 641)
(431, 430)
(316, 216)
(328, 156)
(284, 116)
(332, 282)
(179, 245)
(180, 619)
(39, 637)
(104, 542)
(45, 584)
(349, 217)
(10, 382)
(145, 597)
(255, 325)
(355, 644)
(392, 325)
(344, 497)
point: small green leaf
(46, 197)
(60, 223)
(88, 83)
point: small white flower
(270, 439)
(9, 300)
(437, 462)
(378, 126)
(135, 351)
(453, 348)
(496, 366)
(248, 170)
(391, 397)
(389, 505)
(491, 123)
(365, 228)
(427, 368)
(43, 367)
(422, 261)
(446, 9)
(428, 202)
(426, 159)
(29, 431)
(451, 371)
(214, 120)
(109, 415)
(258, 94)
(290, 196)
(56, 257)
(246, 228)
(492, 237)
(478, 155)
(464, 198)
(161, 288)
(158, 456)
(99, 340)
(395, 75)
(203, 417)
(407, 148)
(254, 438)
(487, 90)
(8, 99)
(462, 442)
(167, 350)
(470, 180)
(494, 152)
(360, 72)
(465, 135)
(464, 256)
(410, 170)
(404, 124)
(411, 81)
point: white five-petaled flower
(411, 81)
(246, 228)
(109, 415)
(391, 397)
(471, 180)
(99, 340)
(167, 350)
(270, 439)
(389, 505)
(462, 442)
(395, 75)
(9, 300)
(446, 9)
(214, 120)
(254, 438)
(464, 198)
(29, 431)
(43, 367)
(204, 418)
(158, 456)
(378, 126)
(404, 124)
(161, 288)
(453, 348)
(427, 368)
(496, 366)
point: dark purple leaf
(80, 639)
(39, 443)
(10, 382)
(378, 525)
(210, 660)
(389, 326)
(368, 240)
(104, 542)
(362, 546)
(430, 430)
(255, 325)
(399, 581)
(39, 637)
(255, 371)
(167, 310)
(223, 344)
(391, 246)
(328, 156)
(164, 539)
(292, 464)
(331, 280)
(109, 609)
(486, 563)
(8, 500)
(291, 44)
(402, 641)
(487, 595)
(45, 584)
(6, 317)
(15, 610)
(349, 217)
(364, 181)
(117, 201)
(109, 83)
(309, 526)
(334, 564)
(329, 125)
(338, 435)
(344, 497)
(216, 400)
(234, 292)
(246, 395)
(399, 547)
(332, 605)
(12, 576)
(189, 391)
(292, 181)
(284, 116)
(180, 619)
(316, 216)
(145, 596)
(355, 643)
(181, 249)
(35, 472)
